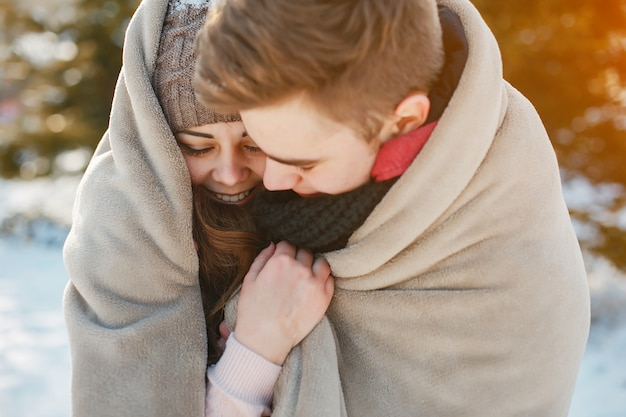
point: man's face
(306, 151)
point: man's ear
(411, 112)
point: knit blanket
(464, 292)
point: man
(432, 186)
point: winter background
(53, 78)
(34, 356)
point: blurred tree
(569, 59)
(59, 63)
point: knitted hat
(173, 75)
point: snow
(34, 355)
(34, 358)
(601, 386)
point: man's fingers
(260, 261)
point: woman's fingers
(304, 257)
(224, 330)
(321, 271)
(320, 268)
(224, 334)
(285, 300)
(260, 261)
(330, 286)
(285, 248)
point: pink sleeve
(240, 384)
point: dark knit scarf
(325, 223)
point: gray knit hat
(173, 74)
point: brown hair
(227, 244)
(354, 59)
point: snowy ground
(34, 357)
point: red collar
(397, 154)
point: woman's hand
(284, 296)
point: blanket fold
(464, 292)
(132, 306)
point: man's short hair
(355, 60)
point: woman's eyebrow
(199, 134)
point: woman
(133, 306)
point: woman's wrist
(244, 374)
(270, 345)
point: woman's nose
(230, 171)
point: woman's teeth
(232, 198)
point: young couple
(427, 182)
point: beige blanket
(132, 306)
(463, 294)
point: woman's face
(222, 158)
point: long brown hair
(227, 244)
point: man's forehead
(294, 114)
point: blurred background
(59, 61)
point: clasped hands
(284, 295)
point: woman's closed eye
(248, 143)
(194, 151)
(252, 148)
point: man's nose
(279, 176)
